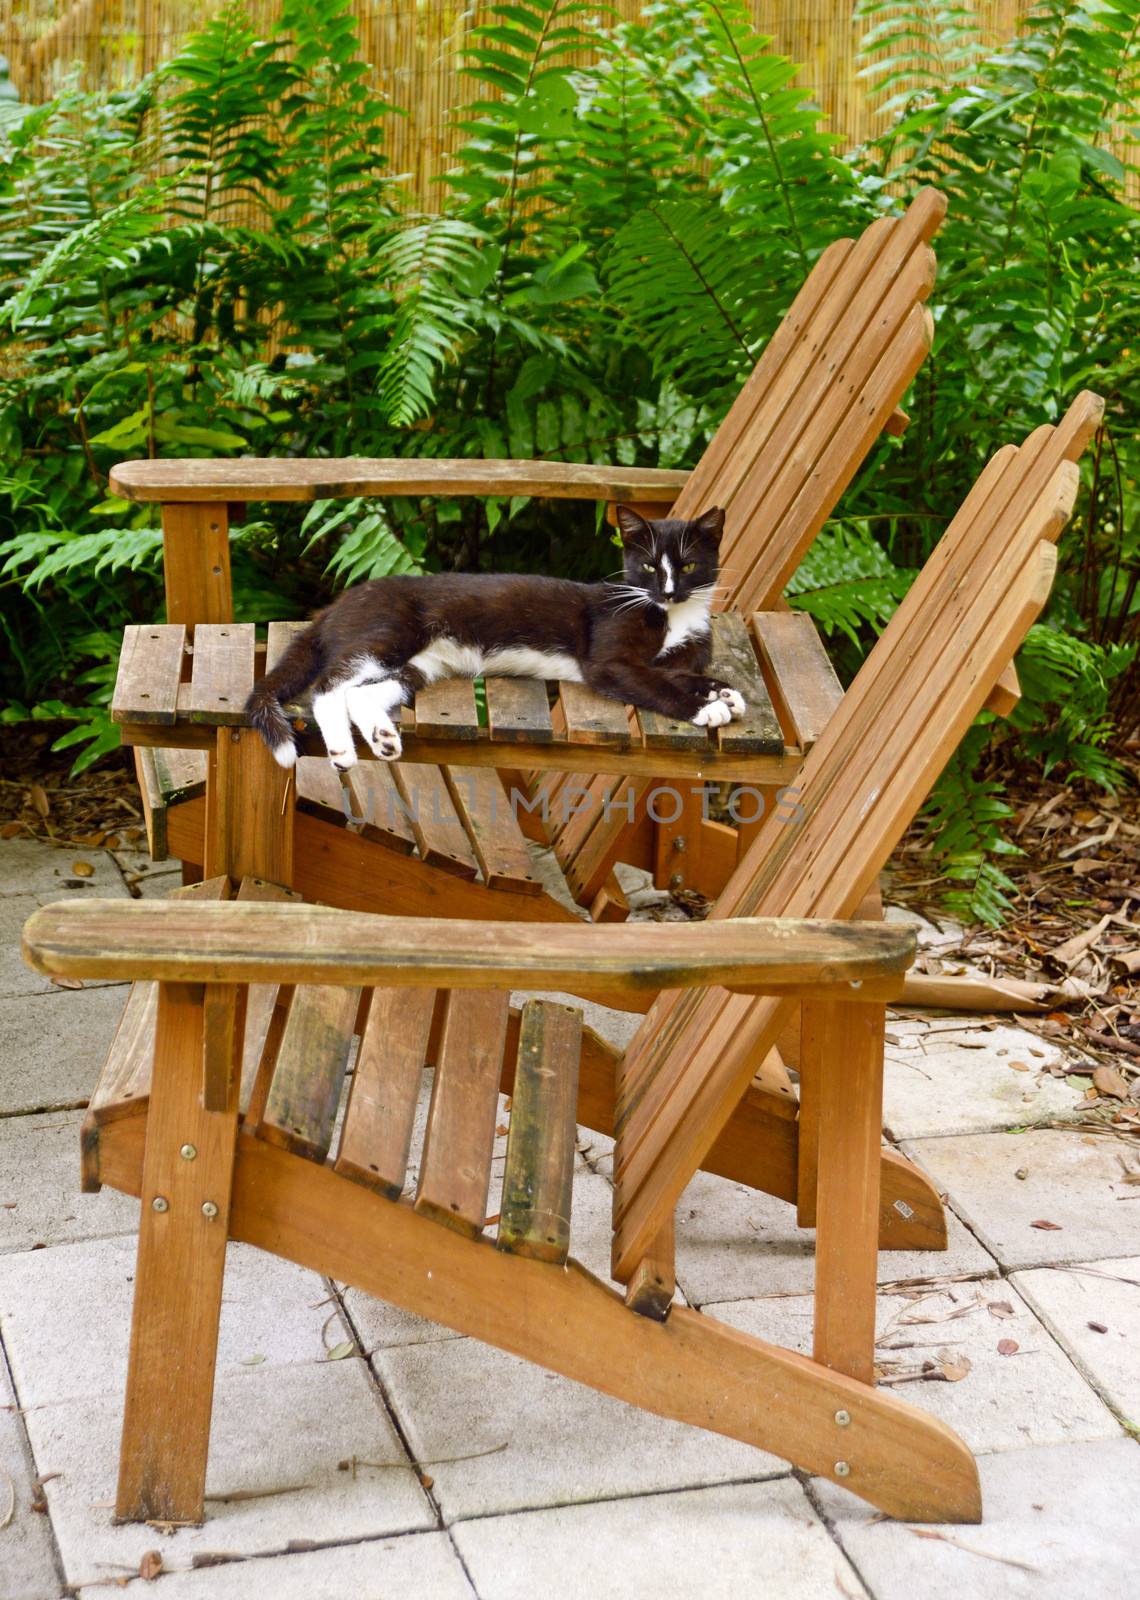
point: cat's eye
(690, 566)
(647, 566)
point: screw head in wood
(842, 1470)
(188, 1152)
(677, 881)
(160, 1203)
(209, 1210)
(843, 1418)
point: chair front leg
(841, 1116)
(187, 1182)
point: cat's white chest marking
(447, 658)
(689, 619)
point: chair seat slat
(455, 1173)
(538, 1179)
(150, 669)
(385, 1088)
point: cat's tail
(292, 675)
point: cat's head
(671, 558)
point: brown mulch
(1074, 923)
(38, 800)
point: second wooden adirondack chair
(826, 387)
(287, 974)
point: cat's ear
(709, 525)
(633, 528)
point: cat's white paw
(732, 698)
(713, 715)
(342, 760)
(385, 743)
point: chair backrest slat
(860, 785)
(800, 428)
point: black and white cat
(645, 642)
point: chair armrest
(330, 479)
(252, 942)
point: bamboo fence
(413, 46)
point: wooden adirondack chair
(279, 988)
(826, 386)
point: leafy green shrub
(612, 249)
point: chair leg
(650, 1289)
(846, 1121)
(250, 804)
(187, 1182)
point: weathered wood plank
(250, 809)
(178, 1278)
(539, 1175)
(592, 718)
(455, 1172)
(317, 944)
(333, 478)
(150, 668)
(805, 689)
(734, 660)
(278, 637)
(556, 756)
(385, 1088)
(660, 732)
(496, 838)
(379, 810)
(431, 814)
(301, 1108)
(518, 710)
(196, 562)
(848, 1128)
(446, 710)
(221, 673)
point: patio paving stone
(1058, 1525)
(53, 1046)
(1106, 1293)
(28, 866)
(741, 1540)
(27, 1558)
(1072, 1179)
(274, 1427)
(41, 1202)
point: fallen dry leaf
(37, 794)
(82, 869)
(955, 1371)
(1018, 1066)
(1047, 1227)
(1098, 1327)
(1000, 1308)
(1106, 1080)
(10, 830)
(150, 1567)
(339, 1351)
(1008, 1347)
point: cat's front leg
(370, 705)
(722, 704)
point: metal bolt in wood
(843, 1418)
(188, 1152)
(842, 1470)
(209, 1210)
(160, 1203)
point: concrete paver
(27, 1557)
(724, 1543)
(277, 1428)
(1093, 1311)
(1057, 1525)
(1071, 1180)
(416, 1564)
(53, 1046)
(41, 1203)
(561, 1442)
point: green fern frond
(847, 582)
